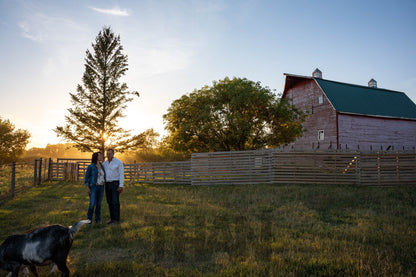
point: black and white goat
(39, 247)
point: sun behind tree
(92, 123)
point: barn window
(321, 135)
(320, 99)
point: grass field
(250, 230)
(23, 179)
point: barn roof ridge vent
(372, 83)
(317, 73)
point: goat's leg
(54, 268)
(15, 271)
(63, 268)
(34, 270)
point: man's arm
(121, 177)
(121, 172)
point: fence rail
(265, 166)
(388, 168)
(160, 172)
(18, 176)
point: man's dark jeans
(113, 199)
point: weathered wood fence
(304, 167)
(160, 172)
(68, 169)
(266, 166)
(18, 176)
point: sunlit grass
(23, 179)
(252, 230)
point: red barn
(347, 116)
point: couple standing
(108, 176)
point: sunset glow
(175, 47)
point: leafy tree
(92, 123)
(232, 114)
(12, 142)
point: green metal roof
(348, 98)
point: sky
(177, 46)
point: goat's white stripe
(30, 252)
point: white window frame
(321, 135)
(320, 99)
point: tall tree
(12, 142)
(92, 123)
(232, 114)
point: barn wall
(304, 96)
(370, 133)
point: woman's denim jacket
(91, 175)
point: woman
(94, 180)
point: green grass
(250, 230)
(23, 179)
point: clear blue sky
(177, 46)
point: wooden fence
(304, 167)
(68, 169)
(160, 172)
(269, 166)
(386, 168)
(265, 166)
(18, 176)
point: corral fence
(68, 169)
(18, 176)
(265, 166)
(160, 172)
(304, 167)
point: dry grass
(252, 230)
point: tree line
(231, 114)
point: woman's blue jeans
(96, 197)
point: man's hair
(110, 149)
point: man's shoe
(110, 221)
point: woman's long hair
(94, 158)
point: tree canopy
(98, 104)
(232, 114)
(12, 142)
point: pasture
(23, 178)
(246, 230)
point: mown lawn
(250, 230)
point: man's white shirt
(114, 171)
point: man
(114, 170)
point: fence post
(358, 167)
(76, 171)
(13, 183)
(40, 172)
(35, 172)
(50, 169)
